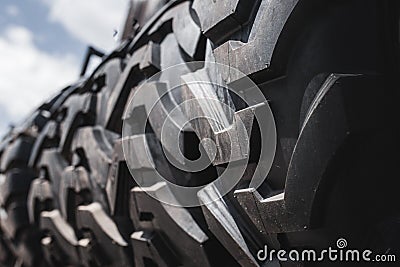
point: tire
(327, 69)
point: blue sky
(42, 44)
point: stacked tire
(328, 71)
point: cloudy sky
(42, 45)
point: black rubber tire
(327, 69)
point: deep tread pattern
(67, 197)
(187, 33)
(22, 238)
(149, 250)
(47, 138)
(224, 227)
(75, 186)
(79, 110)
(16, 219)
(54, 104)
(106, 79)
(98, 146)
(283, 212)
(60, 243)
(231, 138)
(171, 222)
(157, 113)
(15, 184)
(105, 233)
(6, 255)
(40, 199)
(258, 50)
(219, 19)
(144, 61)
(119, 182)
(15, 155)
(53, 164)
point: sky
(42, 46)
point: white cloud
(90, 21)
(12, 10)
(29, 75)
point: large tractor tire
(328, 71)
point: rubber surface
(327, 70)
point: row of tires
(328, 72)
